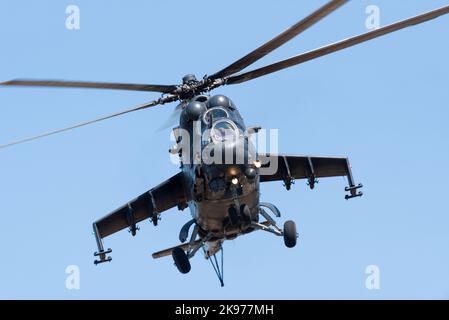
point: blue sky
(383, 104)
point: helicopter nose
(231, 152)
(236, 151)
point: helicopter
(220, 169)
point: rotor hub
(189, 79)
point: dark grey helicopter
(220, 170)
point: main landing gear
(181, 260)
(289, 232)
(183, 253)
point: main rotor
(232, 74)
(191, 87)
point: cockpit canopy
(219, 119)
(213, 114)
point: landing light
(235, 181)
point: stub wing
(287, 168)
(149, 205)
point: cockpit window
(214, 114)
(224, 130)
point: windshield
(214, 114)
(224, 130)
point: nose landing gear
(243, 215)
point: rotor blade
(139, 107)
(173, 119)
(91, 85)
(301, 58)
(279, 40)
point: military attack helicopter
(222, 191)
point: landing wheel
(181, 260)
(246, 213)
(233, 215)
(290, 235)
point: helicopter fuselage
(219, 162)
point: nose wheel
(239, 216)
